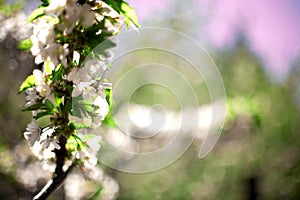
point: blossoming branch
(67, 93)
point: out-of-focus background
(256, 46)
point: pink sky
(145, 8)
(271, 27)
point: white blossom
(42, 38)
(51, 143)
(56, 7)
(118, 20)
(31, 97)
(95, 68)
(44, 148)
(64, 51)
(94, 143)
(101, 109)
(102, 106)
(43, 30)
(97, 119)
(78, 75)
(87, 16)
(86, 89)
(76, 57)
(87, 156)
(44, 46)
(41, 87)
(104, 86)
(88, 153)
(40, 149)
(70, 17)
(32, 133)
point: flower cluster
(68, 93)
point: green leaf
(36, 14)
(50, 105)
(42, 114)
(72, 125)
(77, 126)
(109, 120)
(25, 45)
(97, 194)
(45, 2)
(130, 14)
(73, 143)
(58, 100)
(81, 106)
(47, 67)
(68, 106)
(56, 73)
(47, 106)
(36, 106)
(28, 83)
(125, 9)
(108, 95)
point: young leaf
(45, 2)
(25, 45)
(58, 100)
(36, 106)
(73, 143)
(109, 120)
(130, 14)
(108, 95)
(28, 83)
(77, 126)
(50, 105)
(42, 114)
(125, 9)
(97, 194)
(36, 14)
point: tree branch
(59, 175)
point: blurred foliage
(8, 9)
(257, 155)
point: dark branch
(59, 175)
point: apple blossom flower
(94, 143)
(56, 7)
(41, 87)
(32, 133)
(87, 156)
(87, 16)
(51, 143)
(95, 68)
(70, 17)
(102, 107)
(31, 97)
(86, 89)
(78, 75)
(43, 151)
